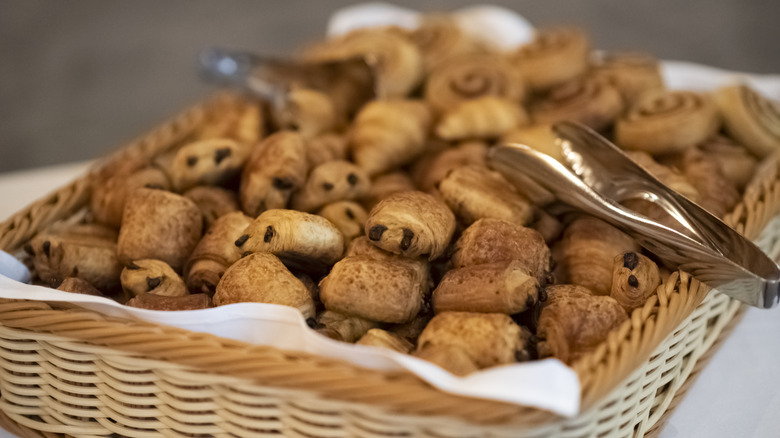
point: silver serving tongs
(601, 176)
(269, 78)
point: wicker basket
(72, 372)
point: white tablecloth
(737, 395)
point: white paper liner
(546, 384)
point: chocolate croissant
(207, 162)
(330, 182)
(147, 276)
(299, 239)
(412, 224)
(88, 252)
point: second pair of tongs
(600, 176)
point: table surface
(737, 394)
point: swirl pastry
(389, 133)
(330, 182)
(585, 100)
(276, 168)
(397, 61)
(667, 122)
(482, 118)
(631, 73)
(472, 76)
(438, 37)
(750, 118)
(554, 57)
(412, 224)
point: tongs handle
(714, 253)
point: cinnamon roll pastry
(667, 122)
(474, 192)
(213, 202)
(471, 76)
(215, 252)
(207, 162)
(262, 278)
(397, 61)
(736, 163)
(326, 147)
(482, 118)
(438, 37)
(276, 168)
(300, 240)
(148, 276)
(633, 74)
(159, 225)
(412, 224)
(465, 154)
(389, 133)
(88, 252)
(349, 217)
(585, 100)
(750, 118)
(330, 182)
(554, 57)
(308, 111)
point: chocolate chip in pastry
(330, 182)
(349, 217)
(207, 162)
(148, 276)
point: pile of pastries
(381, 222)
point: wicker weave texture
(74, 372)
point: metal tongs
(271, 79)
(600, 176)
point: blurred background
(79, 78)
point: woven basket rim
(599, 372)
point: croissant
(299, 239)
(397, 62)
(349, 217)
(430, 170)
(147, 276)
(502, 287)
(491, 240)
(412, 224)
(717, 194)
(477, 192)
(262, 278)
(213, 202)
(555, 56)
(84, 251)
(588, 247)
(385, 185)
(482, 118)
(585, 100)
(382, 338)
(307, 111)
(462, 342)
(159, 225)
(472, 76)
(330, 182)
(207, 162)
(215, 252)
(667, 122)
(389, 133)
(634, 279)
(573, 322)
(750, 118)
(377, 290)
(276, 168)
